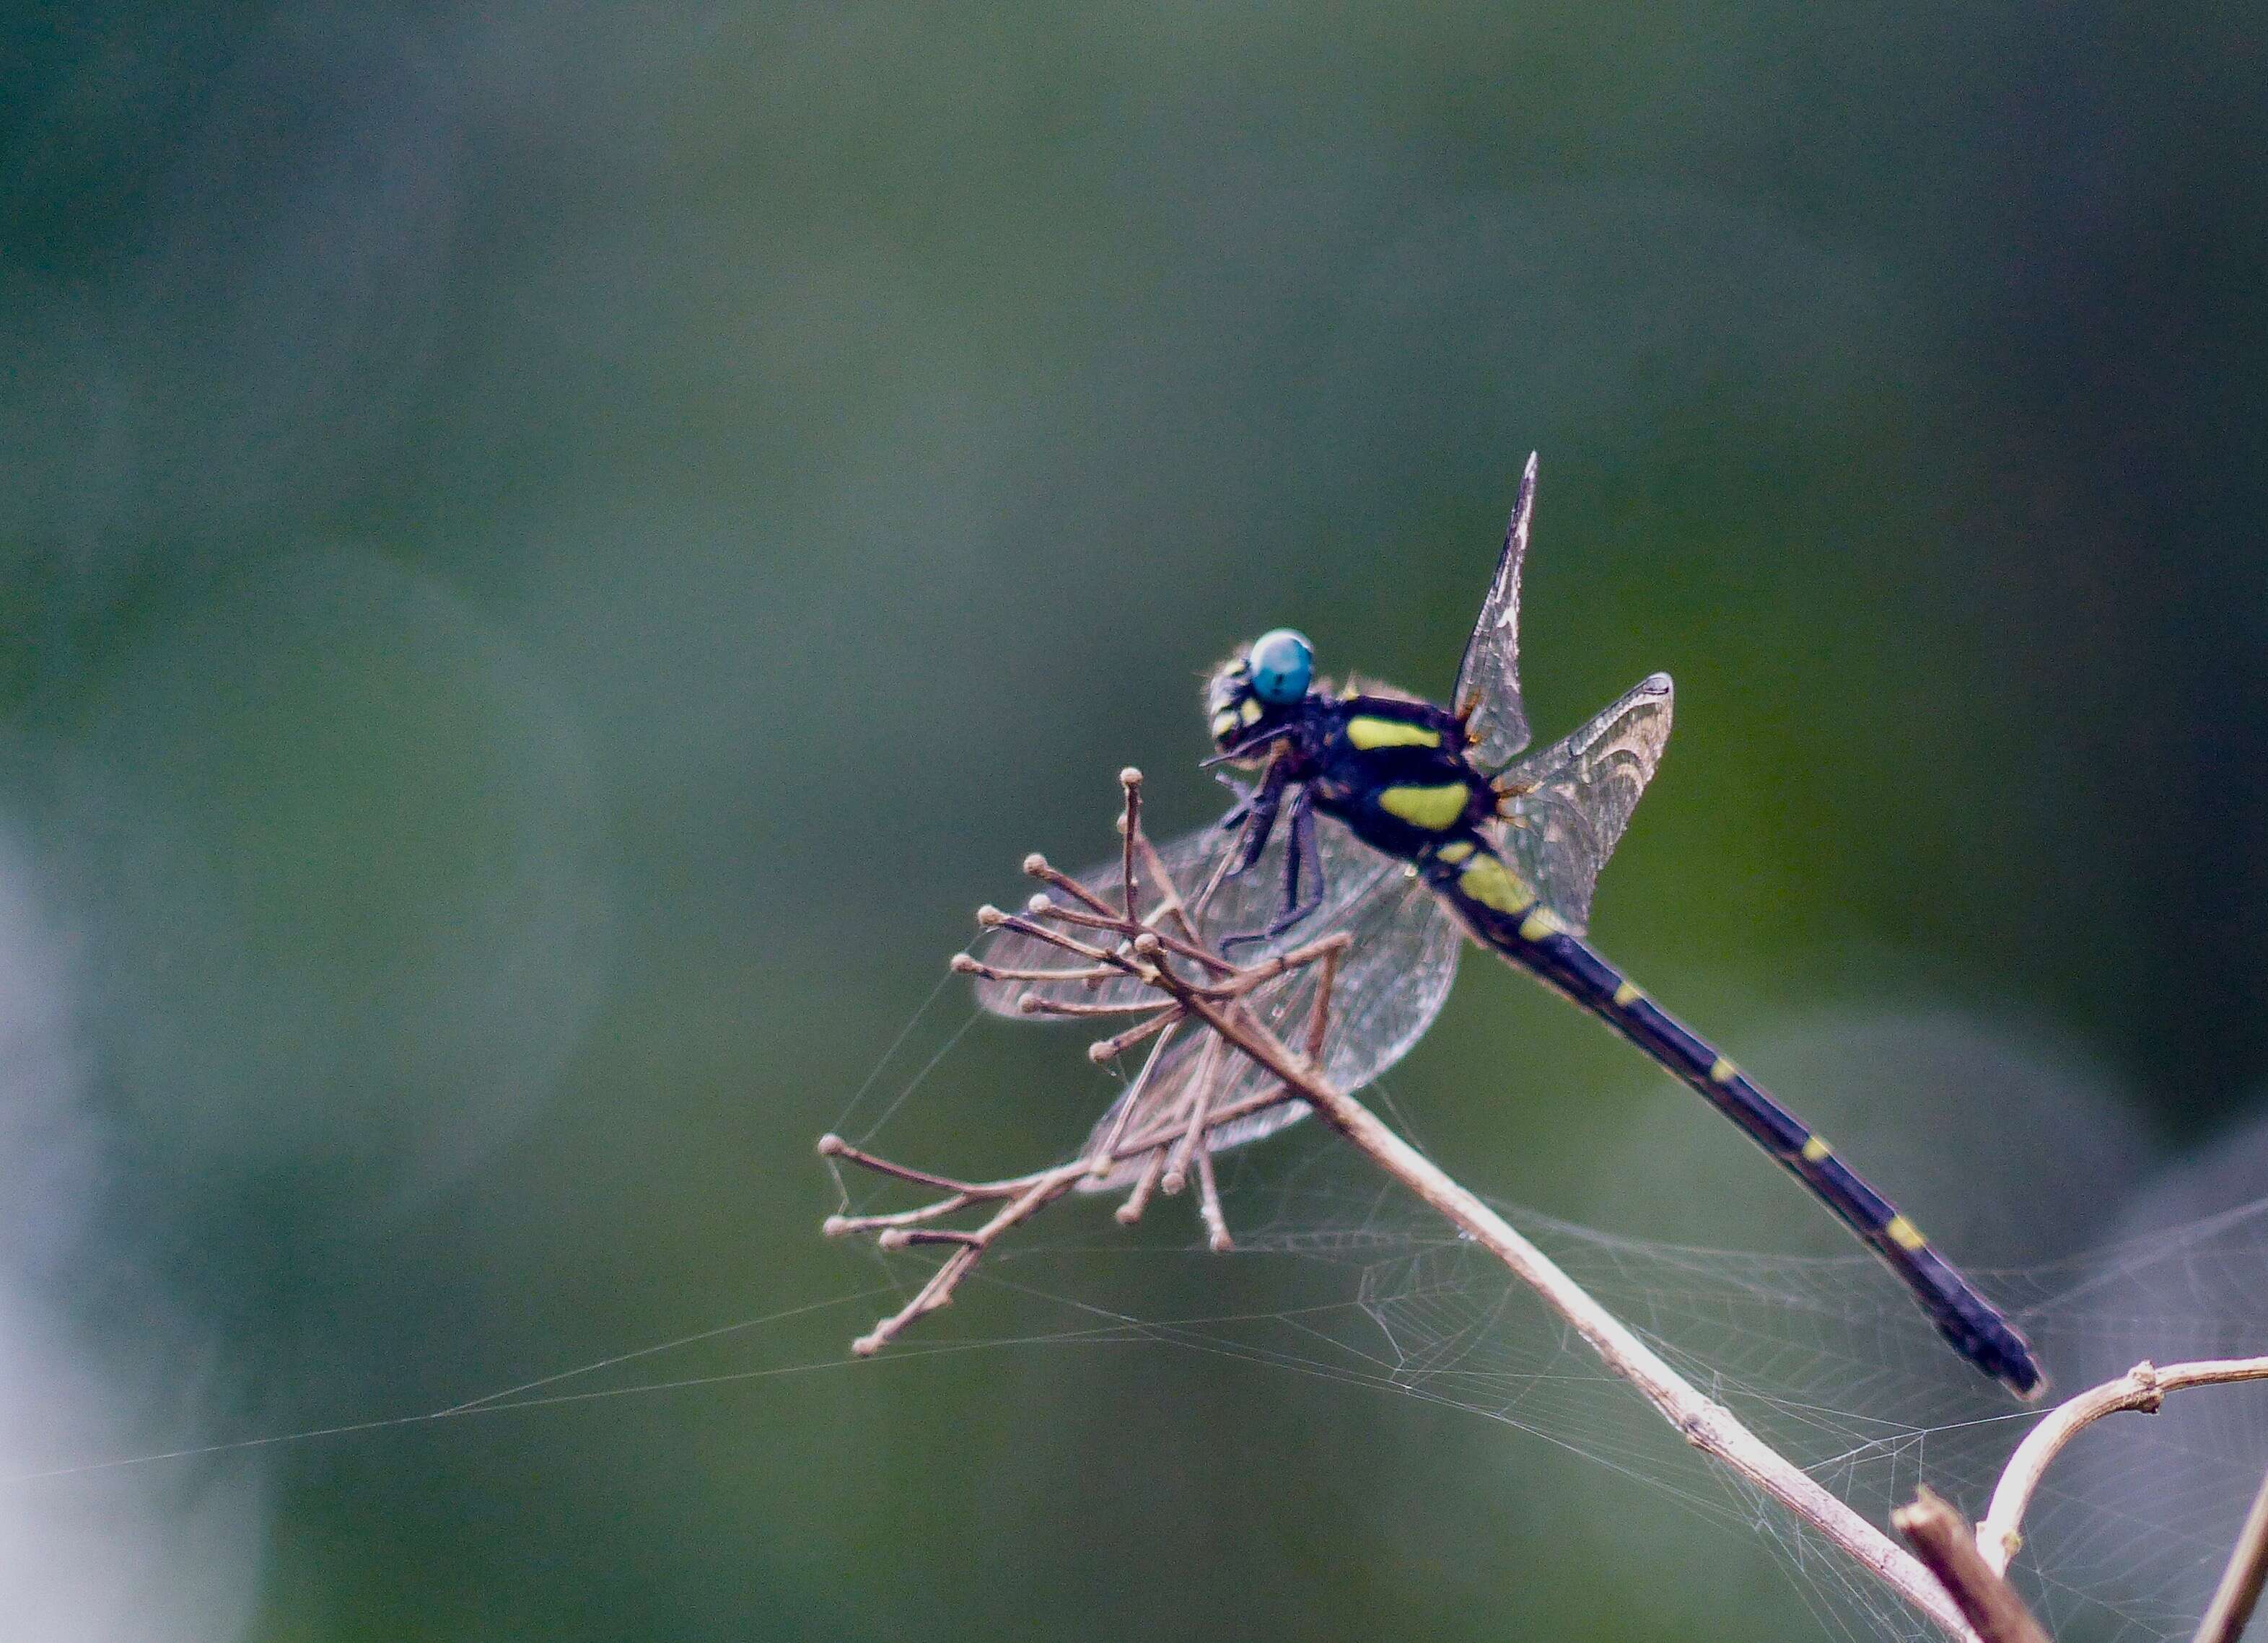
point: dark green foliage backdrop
(552, 552)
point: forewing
(1487, 679)
(1190, 859)
(1390, 986)
(1567, 805)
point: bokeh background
(549, 553)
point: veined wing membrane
(1391, 984)
(1488, 678)
(1569, 803)
(1245, 902)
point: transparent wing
(1487, 679)
(1567, 805)
(1390, 986)
(1191, 860)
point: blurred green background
(552, 553)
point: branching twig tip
(1181, 1119)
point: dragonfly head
(1257, 684)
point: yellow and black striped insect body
(1441, 823)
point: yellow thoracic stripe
(1455, 852)
(1433, 808)
(1367, 733)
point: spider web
(1821, 1355)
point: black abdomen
(1528, 935)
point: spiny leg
(1300, 850)
(1260, 819)
(1247, 748)
(1242, 809)
(1301, 854)
(1259, 827)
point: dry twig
(2143, 1388)
(1164, 1148)
(2241, 1582)
(1213, 995)
(1941, 1537)
(1184, 984)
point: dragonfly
(1414, 827)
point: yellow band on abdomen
(1488, 881)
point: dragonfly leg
(1244, 750)
(1259, 820)
(1300, 853)
(1238, 811)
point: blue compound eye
(1283, 665)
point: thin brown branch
(993, 918)
(1172, 911)
(1043, 906)
(1129, 830)
(1259, 974)
(1169, 905)
(1032, 1005)
(1209, 1211)
(835, 1147)
(1942, 1539)
(1194, 1129)
(1319, 1017)
(1103, 1052)
(966, 964)
(1110, 918)
(1037, 866)
(1706, 1425)
(1141, 954)
(1107, 1153)
(937, 1291)
(1145, 1185)
(2240, 1583)
(2143, 1388)
(952, 1204)
(1163, 1133)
